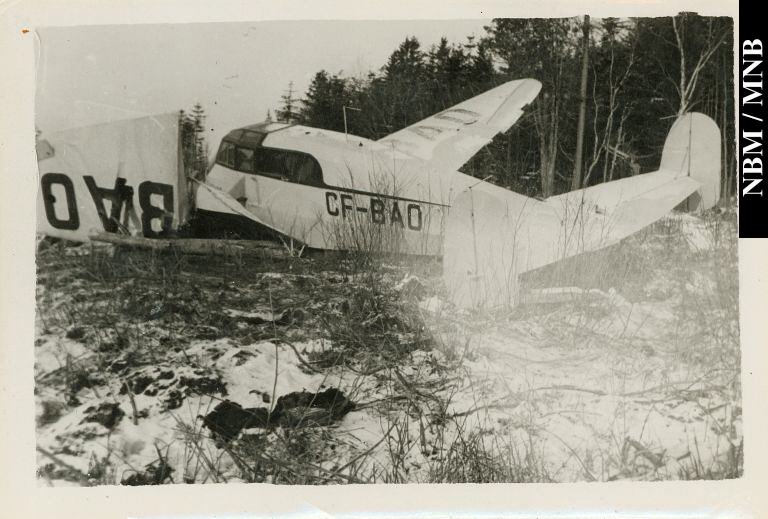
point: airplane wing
(450, 138)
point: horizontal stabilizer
(601, 215)
(590, 227)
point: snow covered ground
(631, 373)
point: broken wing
(450, 138)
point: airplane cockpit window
(251, 138)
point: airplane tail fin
(692, 149)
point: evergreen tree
(193, 143)
(407, 61)
(323, 104)
(642, 73)
(288, 112)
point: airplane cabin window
(302, 169)
(244, 159)
(289, 166)
(226, 154)
(308, 171)
(270, 163)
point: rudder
(692, 149)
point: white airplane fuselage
(334, 191)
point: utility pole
(344, 109)
(576, 180)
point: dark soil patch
(229, 418)
(75, 333)
(153, 475)
(203, 385)
(106, 414)
(291, 410)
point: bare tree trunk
(547, 169)
(553, 158)
(683, 89)
(576, 180)
(687, 86)
(603, 144)
(619, 137)
(608, 135)
(547, 128)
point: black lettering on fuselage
(121, 195)
(72, 222)
(414, 217)
(333, 210)
(346, 204)
(121, 198)
(151, 212)
(343, 204)
(377, 211)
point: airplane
(320, 187)
(404, 193)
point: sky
(237, 71)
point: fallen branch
(307, 364)
(569, 387)
(194, 245)
(127, 386)
(74, 471)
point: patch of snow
(695, 229)
(52, 353)
(432, 305)
(313, 346)
(263, 316)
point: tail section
(493, 235)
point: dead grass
(130, 312)
(696, 276)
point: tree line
(640, 74)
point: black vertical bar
(752, 184)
